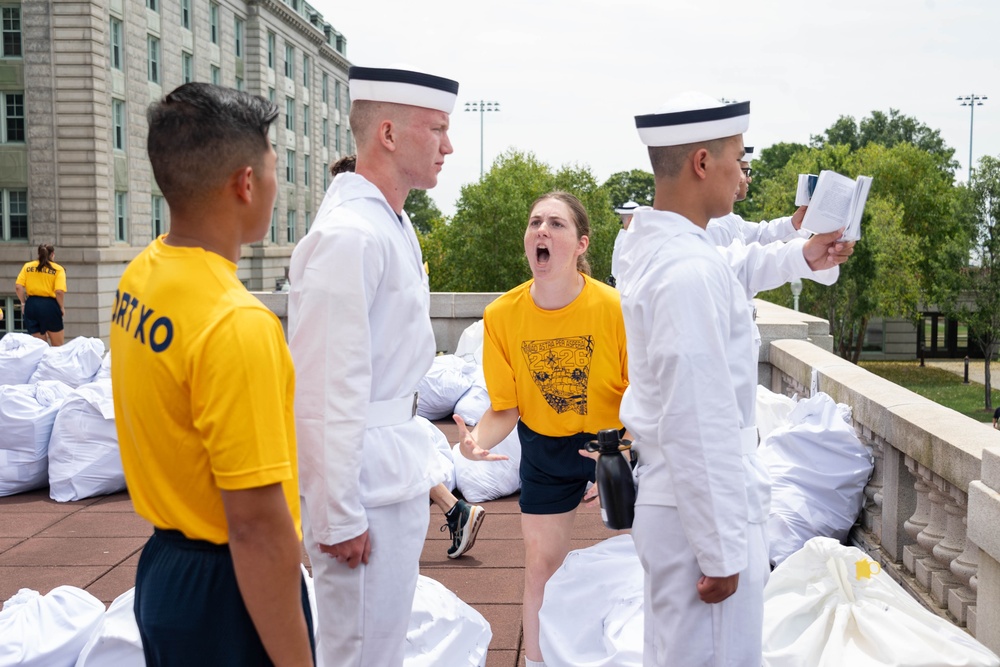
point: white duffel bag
(592, 612)
(470, 343)
(19, 357)
(440, 388)
(115, 641)
(27, 413)
(475, 402)
(818, 470)
(83, 450)
(772, 411)
(47, 630)
(444, 630)
(104, 372)
(75, 363)
(479, 481)
(828, 605)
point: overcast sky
(570, 75)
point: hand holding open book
(834, 201)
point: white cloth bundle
(104, 372)
(74, 363)
(27, 412)
(772, 411)
(47, 630)
(470, 344)
(19, 357)
(440, 388)
(444, 630)
(83, 449)
(818, 469)
(479, 481)
(827, 605)
(115, 641)
(475, 402)
(592, 612)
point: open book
(834, 201)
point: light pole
(796, 292)
(482, 107)
(972, 101)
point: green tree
(767, 166)
(422, 210)
(636, 185)
(980, 305)
(481, 249)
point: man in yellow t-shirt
(203, 389)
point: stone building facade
(75, 81)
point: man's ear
(699, 161)
(241, 183)
(387, 135)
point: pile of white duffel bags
(69, 627)
(825, 604)
(455, 385)
(57, 419)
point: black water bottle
(614, 479)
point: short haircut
(344, 165)
(365, 115)
(667, 161)
(200, 133)
(580, 220)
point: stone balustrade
(931, 509)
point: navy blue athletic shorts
(189, 608)
(553, 474)
(42, 315)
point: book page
(830, 208)
(853, 231)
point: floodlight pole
(972, 101)
(481, 106)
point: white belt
(392, 412)
(748, 440)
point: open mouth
(542, 254)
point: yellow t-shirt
(42, 282)
(203, 388)
(565, 370)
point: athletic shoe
(463, 525)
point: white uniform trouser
(680, 629)
(363, 613)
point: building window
(306, 161)
(213, 22)
(121, 216)
(349, 144)
(289, 114)
(216, 75)
(153, 49)
(13, 118)
(153, 5)
(270, 94)
(305, 120)
(326, 176)
(118, 124)
(270, 50)
(187, 67)
(13, 319)
(290, 166)
(306, 71)
(186, 14)
(238, 37)
(157, 216)
(274, 225)
(289, 61)
(308, 219)
(239, 83)
(11, 32)
(336, 137)
(326, 133)
(117, 52)
(336, 94)
(291, 227)
(15, 215)
(326, 87)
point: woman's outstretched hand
(470, 448)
